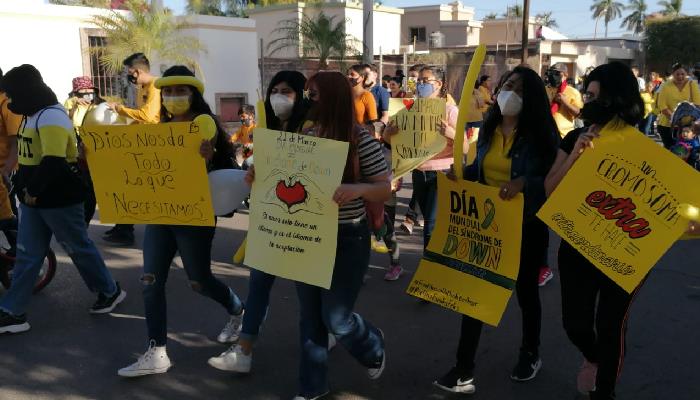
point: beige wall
(430, 19)
(502, 31)
(267, 22)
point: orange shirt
(365, 108)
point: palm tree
(608, 10)
(672, 8)
(318, 36)
(635, 20)
(156, 33)
(490, 16)
(545, 19)
(514, 11)
(204, 7)
(84, 3)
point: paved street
(70, 354)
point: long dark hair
(535, 121)
(296, 81)
(619, 91)
(334, 115)
(198, 107)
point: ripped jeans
(160, 243)
(36, 226)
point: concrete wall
(428, 17)
(386, 26)
(505, 30)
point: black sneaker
(13, 323)
(527, 367)
(105, 304)
(120, 238)
(111, 230)
(457, 381)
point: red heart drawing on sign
(291, 195)
(408, 103)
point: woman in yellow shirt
(673, 92)
(484, 85)
(517, 146)
(646, 125)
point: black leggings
(597, 330)
(666, 134)
(534, 245)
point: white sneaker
(233, 360)
(154, 361)
(376, 373)
(232, 330)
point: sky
(574, 17)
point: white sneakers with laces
(154, 361)
(233, 360)
(232, 330)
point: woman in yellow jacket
(673, 92)
(646, 125)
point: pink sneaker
(393, 273)
(546, 275)
(586, 377)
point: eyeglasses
(426, 80)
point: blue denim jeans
(425, 191)
(646, 126)
(331, 311)
(256, 305)
(160, 243)
(36, 226)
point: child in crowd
(242, 139)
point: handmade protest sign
(419, 137)
(149, 174)
(293, 218)
(472, 261)
(618, 205)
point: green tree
(606, 9)
(545, 19)
(672, 8)
(670, 40)
(84, 3)
(316, 36)
(514, 11)
(490, 16)
(157, 34)
(204, 7)
(634, 21)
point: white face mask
(510, 103)
(281, 105)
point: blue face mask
(424, 90)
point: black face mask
(132, 79)
(596, 112)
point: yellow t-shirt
(496, 164)
(148, 103)
(564, 119)
(475, 114)
(80, 112)
(670, 96)
(243, 135)
(55, 138)
(9, 125)
(485, 96)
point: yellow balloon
(465, 102)
(207, 126)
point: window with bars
(101, 78)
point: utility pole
(526, 31)
(367, 32)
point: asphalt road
(71, 355)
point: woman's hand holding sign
(512, 188)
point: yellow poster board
(419, 138)
(472, 261)
(293, 218)
(149, 174)
(618, 204)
